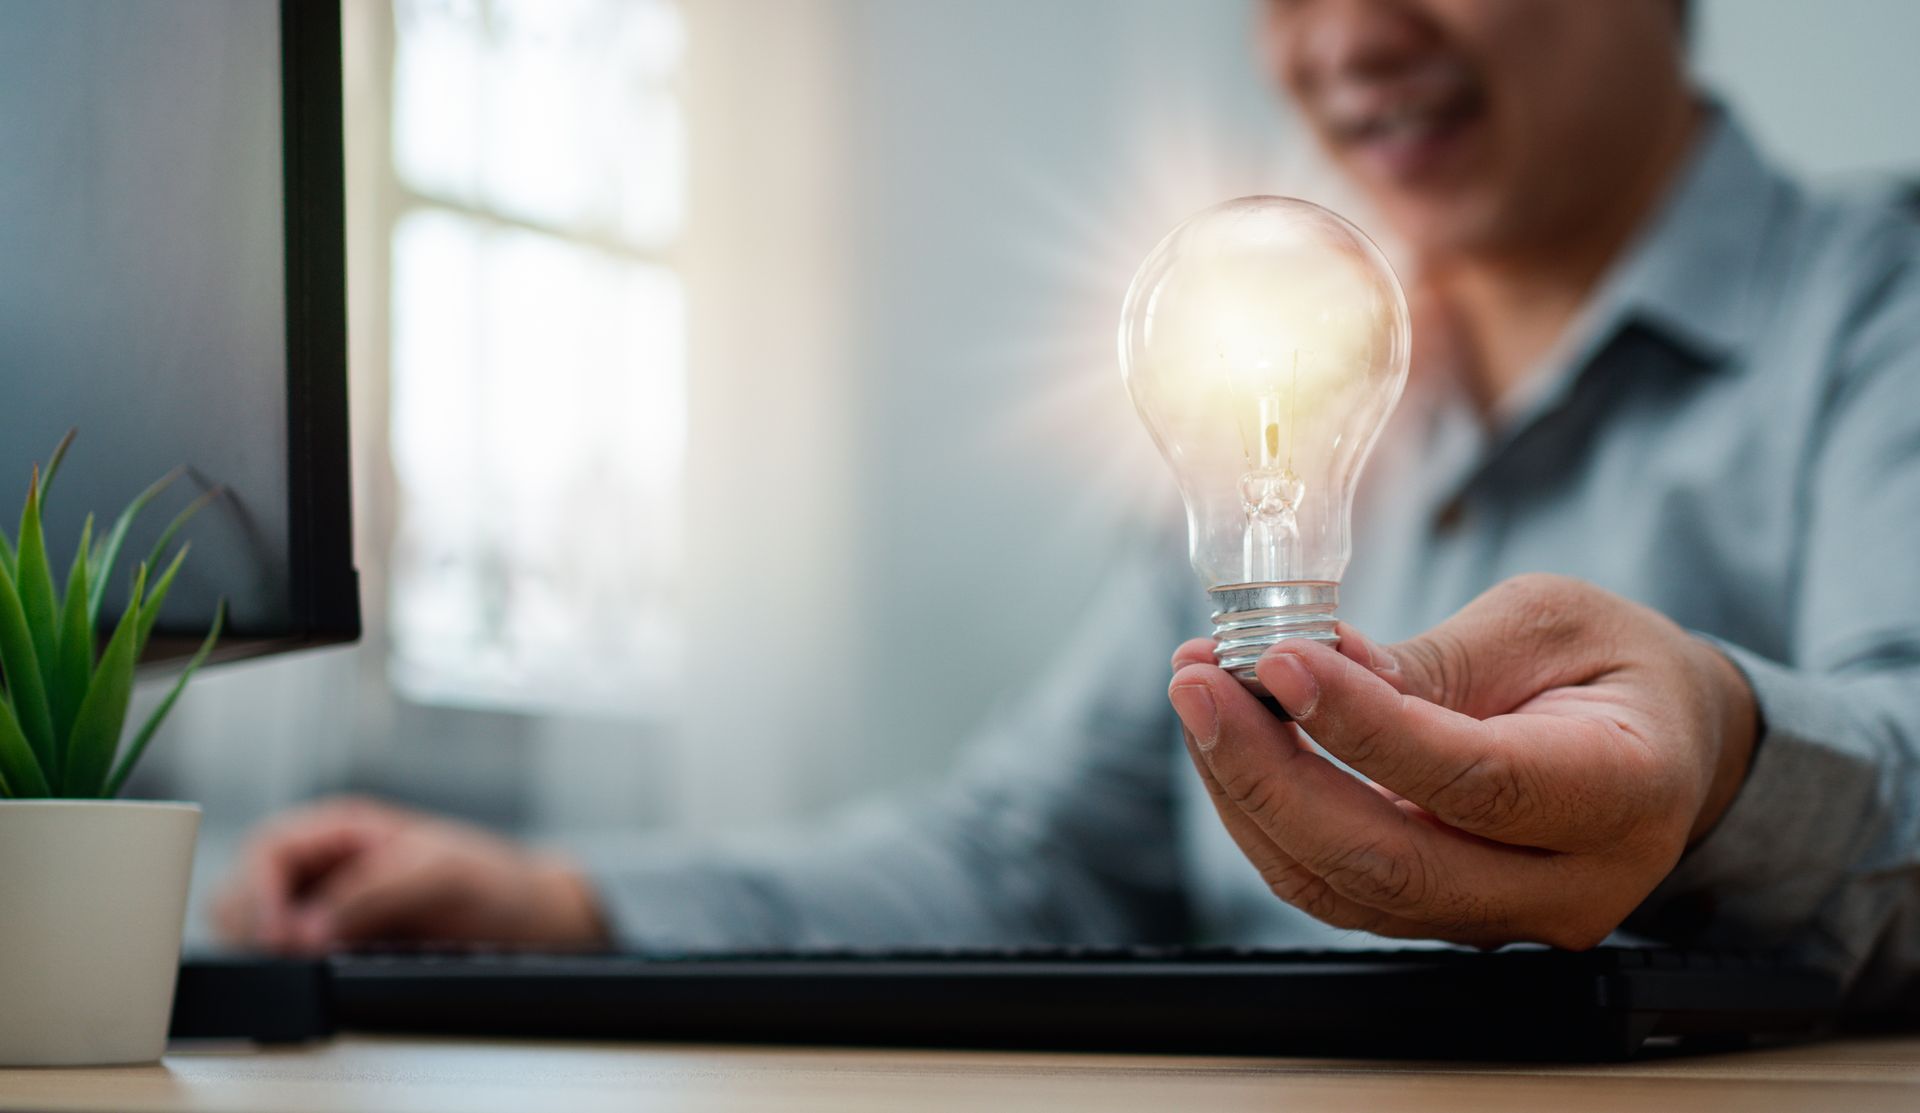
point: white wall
(1831, 88)
(1015, 162)
(772, 409)
(1003, 167)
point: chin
(1435, 228)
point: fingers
(284, 858)
(394, 895)
(347, 872)
(1194, 651)
(1364, 847)
(1285, 877)
(288, 855)
(1529, 780)
(1370, 655)
(233, 917)
(1524, 635)
(1516, 752)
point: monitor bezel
(323, 584)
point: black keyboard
(1518, 1003)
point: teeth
(1400, 122)
(1400, 125)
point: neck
(1512, 305)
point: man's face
(1481, 125)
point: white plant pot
(93, 897)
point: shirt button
(1451, 515)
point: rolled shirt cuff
(1787, 841)
(655, 895)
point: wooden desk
(480, 1076)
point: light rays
(1078, 238)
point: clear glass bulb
(1265, 342)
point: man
(1648, 363)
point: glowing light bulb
(1265, 342)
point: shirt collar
(1690, 276)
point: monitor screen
(171, 286)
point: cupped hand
(353, 870)
(1538, 762)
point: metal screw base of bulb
(1247, 618)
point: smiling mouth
(1411, 120)
(1407, 131)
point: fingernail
(1296, 689)
(1379, 660)
(1194, 704)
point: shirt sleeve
(1056, 826)
(1820, 850)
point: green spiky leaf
(26, 686)
(73, 666)
(103, 711)
(53, 462)
(20, 774)
(77, 570)
(139, 745)
(34, 580)
(157, 598)
(63, 708)
(109, 554)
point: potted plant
(93, 889)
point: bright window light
(538, 413)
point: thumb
(1432, 667)
(1513, 641)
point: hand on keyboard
(350, 870)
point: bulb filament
(1271, 492)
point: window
(537, 351)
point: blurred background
(735, 411)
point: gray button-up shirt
(1730, 433)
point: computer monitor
(172, 273)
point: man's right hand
(354, 870)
